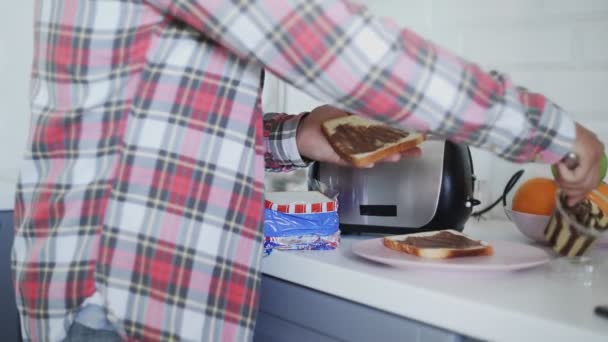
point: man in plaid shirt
(140, 195)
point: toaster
(429, 193)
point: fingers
(392, 158)
(570, 179)
(415, 152)
(576, 183)
(335, 159)
(326, 112)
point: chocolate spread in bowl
(442, 239)
(572, 230)
(363, 139)
(587, 214)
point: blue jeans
(82, 333)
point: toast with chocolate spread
(363, 141)
(441, 244)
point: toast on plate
(441, 244)
(363, 141)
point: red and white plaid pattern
(143, 176)
(302, 208)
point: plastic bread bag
(301, 220)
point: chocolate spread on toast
(442, 239)
(361, 139)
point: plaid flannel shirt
(143, 178)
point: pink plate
(508, 256)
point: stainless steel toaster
(432, 192)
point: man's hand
(312, 143)
(577, 183)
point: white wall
(556, 47)
(15, 61)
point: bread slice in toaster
(363, 141)
(441, 244)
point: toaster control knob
(471, 203)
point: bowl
(533, 226)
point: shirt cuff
(290, 145)
(558, 137)
(281, 146)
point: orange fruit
(535, 196)
(603, 188)
(600, 201)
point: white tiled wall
(556, 47)
(15, 62)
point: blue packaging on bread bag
(300, 220)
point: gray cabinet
(290, 312)
(9, 321)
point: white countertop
(537, 304)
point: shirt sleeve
(281, 153)
(339, 53)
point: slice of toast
(363, 141)
(441, 244)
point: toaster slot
(377, 210)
